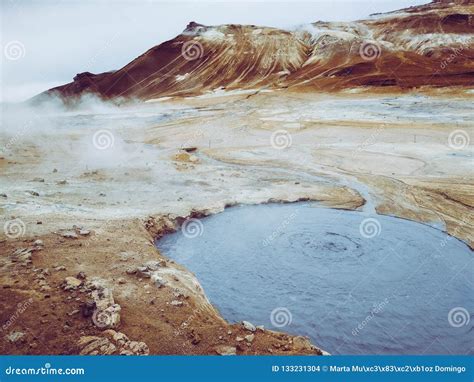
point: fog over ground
(45, 43)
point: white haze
(62, 38)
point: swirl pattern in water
(354, 284)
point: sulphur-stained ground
(84, 194)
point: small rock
(87, 308)
(14, 337)
(239, 339)
(121, 280)
(143, 272)
(84, 232)
(153, 265)
(81, 276)
(249, 337)
(38, 243)
(32, 193)
(176, 303)
(249, 326)
(158, 280)
(69, 234)
(131, 271)
(41, 180)
(55, 170)
(60, 268)
(71, 283)
(3, 195)
(75, 311)
(62, 182)
(226, 350)
(102, 194)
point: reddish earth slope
(431, 44)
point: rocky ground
(82, 205)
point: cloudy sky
(45, 43)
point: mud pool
(353, 283)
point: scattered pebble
(226, 350)
(249, 326)
(249, 337)
(38, 243)
(71, 283)
(14, 337)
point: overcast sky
(45, 43)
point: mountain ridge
(425, 45)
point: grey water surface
(353, 284)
